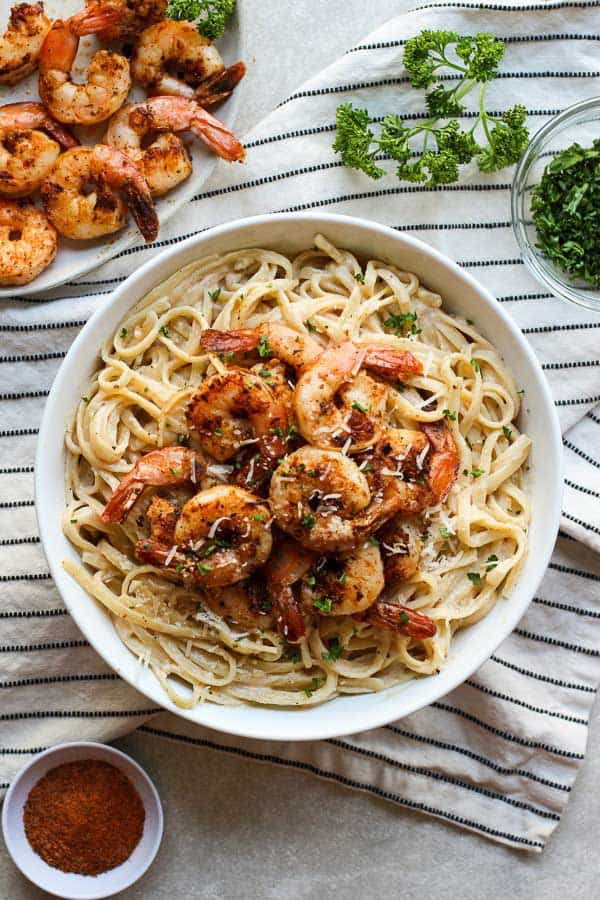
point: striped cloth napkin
(500, 754)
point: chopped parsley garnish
(448, 414)
(477, 473)
(313, 473)
(324, 604)
(309, 326)
(491, 562)
(506, 431)
(214, 295)
(334, 652)
(181, 438)
(359, 407)
(373, 541)
(315, 685)
(263, 347)
(226, 356)
(404, 620)
(175, 472)
(469, 321)
(402, 324)
(445, 533)
(343, 578)
(277, 430)
(474, 577)
(164, 330)
(475, 365)
(179, 567)
(564, 207)
(311, 580)
(359, 277)
(73, 521)
(266, 374)
(86, 399)
(308, 521)
(259, 517)
(123, 333)
(219, 432)
(203, 569)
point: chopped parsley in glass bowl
(555, 208)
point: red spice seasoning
(84, 817)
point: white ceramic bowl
(462, 295)
(67, 884)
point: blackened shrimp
(221, 535)
(271, 340)
(322, 499)
(344, 584)
(238, 409)
(328, 419)
(146, 132)
(81, 213)
(420, 467)
(30, 143)
(108, 78)
(172, 57)
(167, 467)
(22, 41)
(130, 16)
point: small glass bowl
(580, 124)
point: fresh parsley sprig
(213, 15)
(432, 150)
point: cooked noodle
(474, 542)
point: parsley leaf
(334, 651)
(474, 577)
(215, 14)
(263, 347)
(323, 604)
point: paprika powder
(84, 817)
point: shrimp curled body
(200, 71)
(27, 242)
(108, 78)
(117, 183)
(220, 537)
(30, 143)
(322, 499)
(130, 16)
(237, 408)
(164, 161)
(22, 41)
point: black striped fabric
(500, 754)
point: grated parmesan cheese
(170, 555)
(213, 528)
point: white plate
(74, 258)
(463, 296)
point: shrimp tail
(217, 136)
(402, 619)
(58, 51)
(122, 501)
(170, 466)
(289, 617)
(121, 172)
(243, 340)
(220, 86)
(391, 363)
(94, 18)
(30, 115)
(445, 461)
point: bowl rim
(557, 286)
(109, 752)
(379, 714)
